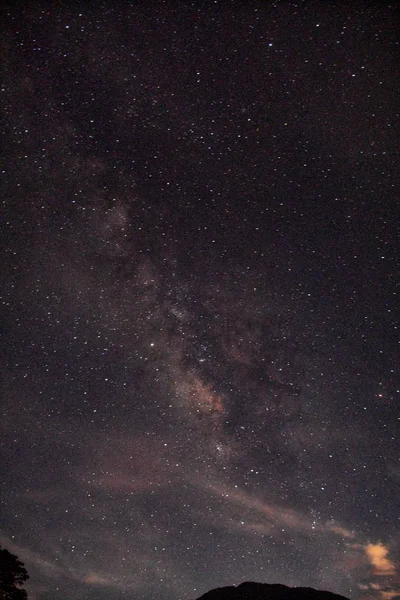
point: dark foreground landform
(264, 591)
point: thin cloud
(132, 465)
(340, 530)
(274, 514)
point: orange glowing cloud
(389, 595)
(378, 591)
(377, 556)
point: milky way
(200, 298)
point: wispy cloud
(131, 464)
(253, 515)
(340, 530)
(271, 514)
(382, 592)
(45, 565)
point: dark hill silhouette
(264, 591)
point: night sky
(200, 297)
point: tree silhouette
(12, 576)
